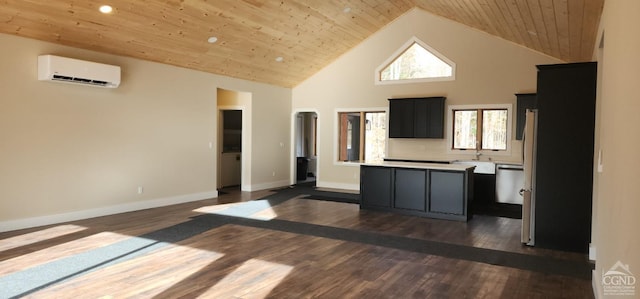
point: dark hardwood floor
(282, 247)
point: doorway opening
(231, 155)
(233, 140)
(305, 132)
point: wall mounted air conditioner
(68, 70)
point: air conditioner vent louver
(79, 80)
(68, 70)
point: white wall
(618, 203)
(71, 151)
(490, 70)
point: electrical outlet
(140, 190)
(273, 173)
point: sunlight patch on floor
(254, 279)
(39, 236)
(57, 252)
(147, 276)
(266, 214)
(256, 209)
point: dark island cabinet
(410, 189)
(416, 117)
(446, 192)
(442, 194)
(378, 187)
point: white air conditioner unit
(68, 70)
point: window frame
(336, 138)
(402, 50)
(479, 108)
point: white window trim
(404, 47)
(471, 152)
(336, 132)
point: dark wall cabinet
(441, 194)
(416, 117)
(524, 101)
(566, 101)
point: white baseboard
(104, 211)
(333, 185)
(267, 185)
(595, 284)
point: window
(362, 136)
(480, 129)
(415, 61)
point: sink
(484, 167)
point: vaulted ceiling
(306, 34)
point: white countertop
(438, 166)
(422, 160)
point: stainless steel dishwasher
(509, 181)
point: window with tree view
(480, 129)
(362, 136)
(416, 61)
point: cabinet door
(435, 118)
(401, 118)
(409, 191)
(524, 101)
(421, 121)
(446, 192)
(429, 118)
(375, 186)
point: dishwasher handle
(510, 167)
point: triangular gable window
(415, 62)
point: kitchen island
(431, 190)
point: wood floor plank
(240, 261)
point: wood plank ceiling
(307, 34)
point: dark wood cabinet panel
(425, 192)
(524, 101)
(376, 185)
(484, 191)
(429, 118)
(401, 118)
(410, 186)
(416, 117)
(420, 118)
(566, 98)
(446, 192)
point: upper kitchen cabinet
(416, 117)
(524, 101)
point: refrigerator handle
(525, 234)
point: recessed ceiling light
(279, 59)
(212, 40)
(106, 9)
(346, 10)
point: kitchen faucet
(478, 154)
